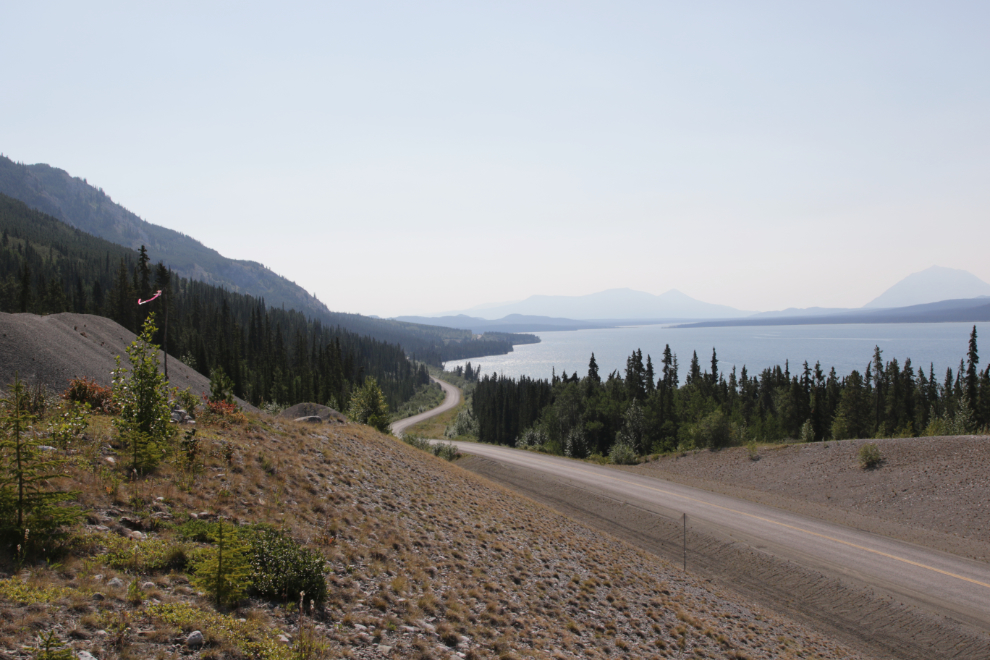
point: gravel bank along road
(830, 565)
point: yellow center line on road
(785, 525)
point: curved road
(452, 398)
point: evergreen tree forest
(648, 409)
(270, 354)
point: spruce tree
(972, 373)
(225, 573)
(32, 513)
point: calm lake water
(846, 347)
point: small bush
(185, 399)
(281, 568)
(445, 450)
(200, 531)
(623, 454)
(84, 390)
(752, 450)
(869, 456)
(221, 388)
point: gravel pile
(52, 350)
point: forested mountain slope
(271, 354)
(46, 233)
(75, 202)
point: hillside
(73, 201)
(423, 560)
(57, 197)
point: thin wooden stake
(685, 542)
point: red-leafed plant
(85, 390)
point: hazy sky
(415, 157)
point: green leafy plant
(282, 568)
(68, 425)
(142, 394)
(869, 456)
(221, 388)
(623, 454)
(186, 400)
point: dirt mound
(325, 413)
(928, 491)
(54, 349)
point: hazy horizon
(408, 159)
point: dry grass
(423, 558)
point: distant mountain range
(970, 310)
(610, 305)
(936, 294)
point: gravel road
(887, 597)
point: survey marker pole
(685, 542)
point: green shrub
(33, 513)
(623, 454)
(465, 424)
(225, 571)
(713, 431)
(221, 388)
(281, 568)
(142, 394)
(368, 406)
(752, 450)
(50, 647)
(185, 400)
(869, 456)
(144, 556)
(445, 450)
(199, 531)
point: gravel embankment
(54, 349)
(930, 491)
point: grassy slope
(424, 560)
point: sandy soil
(930, 491)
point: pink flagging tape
(157, 293)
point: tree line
(649, 410)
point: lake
(846, 347)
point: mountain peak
(933, 284)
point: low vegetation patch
(426, 398)
(869, 456)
